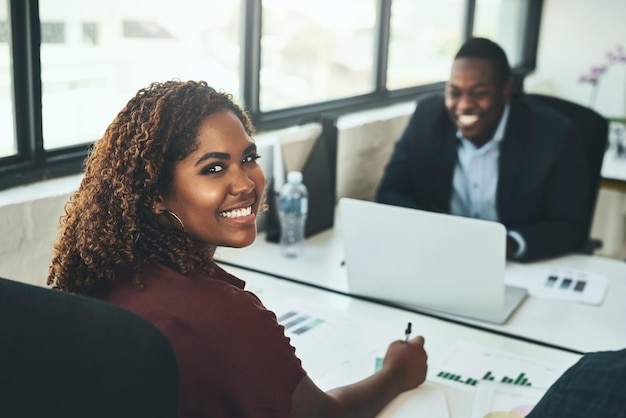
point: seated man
(480, 152)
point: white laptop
(430, 261)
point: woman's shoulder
(172, 296)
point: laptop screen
(423, 259)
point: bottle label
(294, 205)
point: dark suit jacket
(542, 186)
(593, 387)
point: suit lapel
(512, 152)
(445, 163)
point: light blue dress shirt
(475, 180)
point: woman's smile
(221, 177)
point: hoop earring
(173, 215)
(265, 207)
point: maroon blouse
(234, 358)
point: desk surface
(562, 324)
(440, 336)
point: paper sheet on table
(468, 365)
(558, 282)
(504, 400)
(420, 402)
(327, 339)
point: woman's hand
(407, 361)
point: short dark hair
(486, 49)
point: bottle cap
(294, 177)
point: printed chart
(325, 340)
(505, 385)
(471, 364)
(555, 282)
(488, 377)
(298, 323)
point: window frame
(33, 162)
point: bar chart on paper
(325, 339)
(520, 380)
(470, 364)
(505, 385)
(298, 323)
(556, 282)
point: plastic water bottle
(293, 207)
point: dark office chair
(594, 132)
(64, 355)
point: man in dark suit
(479, 152)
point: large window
(7, 113)
(96, 55)
(68, 66)
(504, 22)
(425, 35)
(309, 55)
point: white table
(573, 326)
(440, 336)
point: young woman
(175, 176)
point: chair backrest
(594, 132)
(64, 355)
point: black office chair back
(63, 355)
(594, 132)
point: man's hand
(511, 246)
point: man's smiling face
(475, 98)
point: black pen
(407, 332)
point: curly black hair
(109, 223)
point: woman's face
(217, 189)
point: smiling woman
(174, 176)
(130, 209)
(217, 189)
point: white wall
(29, 216)
(576, 34)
